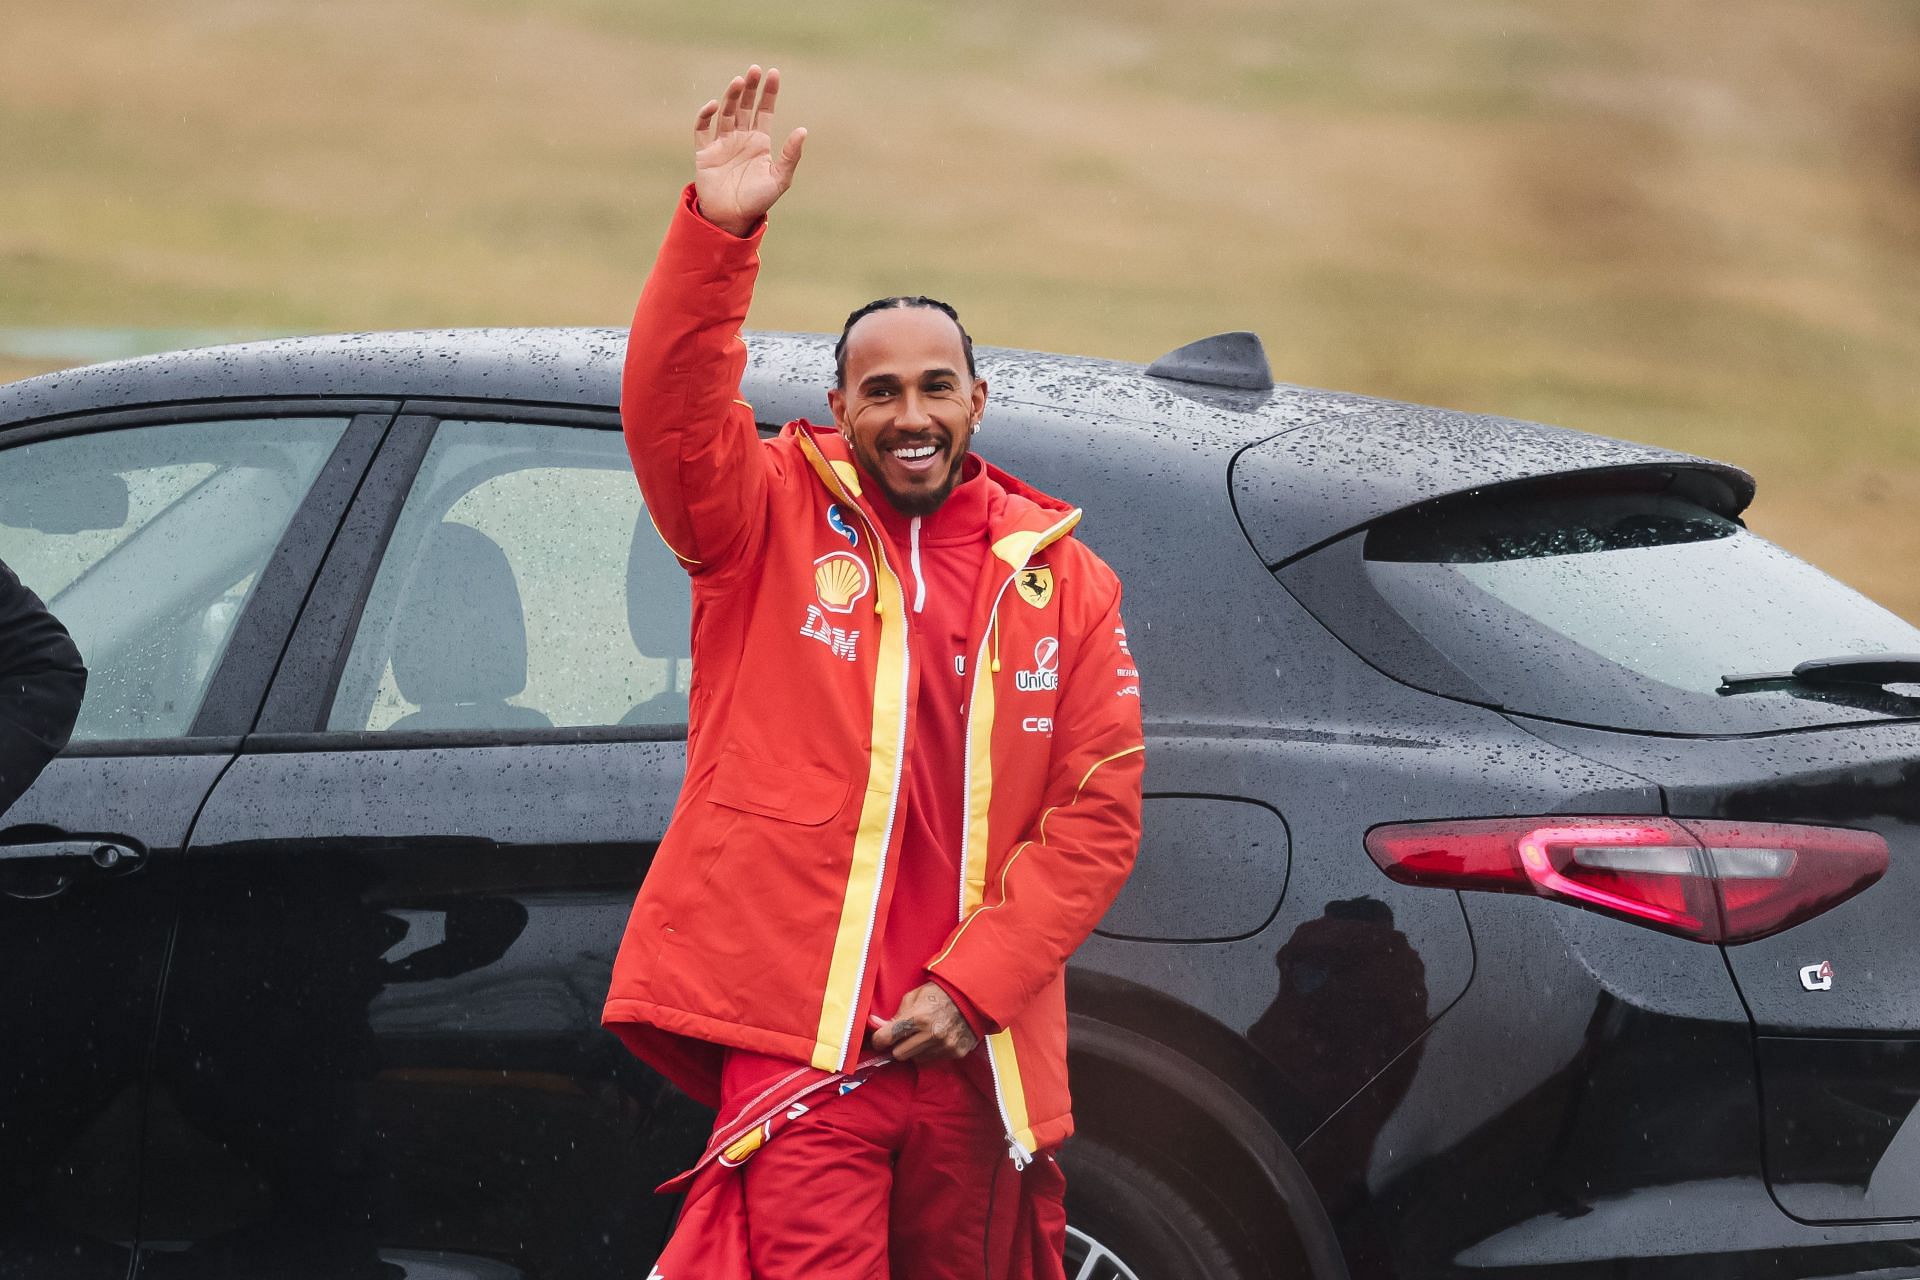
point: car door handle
(108, 855)
(48, 868)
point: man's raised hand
(736, 175)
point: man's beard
(920, 502)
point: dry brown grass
(12, 367)
(1692, 224)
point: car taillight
(1711, 880)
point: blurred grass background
(1693, 224)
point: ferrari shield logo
(1035, 585)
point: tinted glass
(523, 588)
(1620, 609)
(146, 542)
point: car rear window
(1620, 608)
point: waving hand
(736, 175)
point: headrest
(659, 597)
(461, 633)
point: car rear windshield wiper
(1873, 670)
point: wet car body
(334, 1013)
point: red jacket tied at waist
(755, 926)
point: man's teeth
(913, 454)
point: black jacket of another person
(41, 683)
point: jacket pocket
(806, 797)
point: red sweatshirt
(942, 556)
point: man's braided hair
(890, 304)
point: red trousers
(904, 1177)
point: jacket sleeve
(41, 683)
(694, 446)
(1066, 869)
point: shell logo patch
(840, 580)
(1035, 585)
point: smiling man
(913, 779)
(911, 413)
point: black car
(1529, 886)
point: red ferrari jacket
(754, 928)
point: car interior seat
(460, 637)
(660, 618)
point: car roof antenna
(1225, 360)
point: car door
(380, 1051)
(176, 546)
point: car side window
(146, 542)
(523, 587)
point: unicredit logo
(1046, 668)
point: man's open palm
(736, 175)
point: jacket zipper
(1020, 1156)
(893, 798)
(1016, 1151)
(899, 764)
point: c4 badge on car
(1818, 977)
